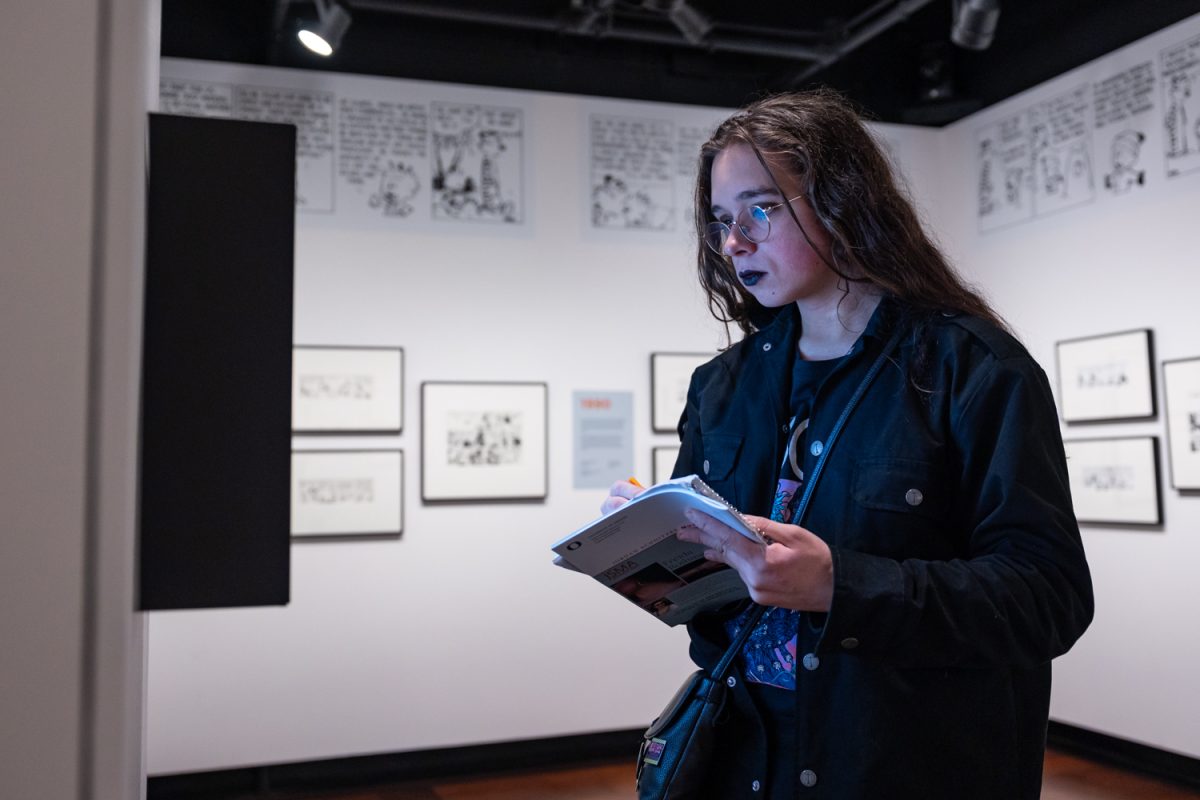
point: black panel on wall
(216, 373)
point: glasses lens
(715, 236)
(755, 223)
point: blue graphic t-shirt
(769, 655)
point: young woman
(914, 610)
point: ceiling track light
(975, 23)
(692, 23)
(324, 35)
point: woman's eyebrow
(753, 193)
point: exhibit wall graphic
(1126, 121)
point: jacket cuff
(867, 594)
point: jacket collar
(779, 338)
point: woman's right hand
(619, 494)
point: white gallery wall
(1086, 258)
(460, 632)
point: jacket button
(731, 681)
(808, 778)
(817, 447)
(706, 466)
(913, 497)
(849, 643)
(811, 662)
(754, 787)
(766, 347)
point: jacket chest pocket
(900, 485)
(914, 498)
(720, 458)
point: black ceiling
(893, 57)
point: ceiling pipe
(822, 53)
(900, 12)
(738, 44)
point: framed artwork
(670, 374)
(1115, 480)
(339, 493)
(347, 389)
(664, 462)
(1110, 377)
(1181, 394)
(483, 441)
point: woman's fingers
(619, 494)
(722, 542)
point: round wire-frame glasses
(753, 223)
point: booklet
(634, 552)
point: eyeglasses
(753, 223)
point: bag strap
(751, 621)
(735, 646)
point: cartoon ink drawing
(477, 438)
(608, 200)
(467, 180)
(1039, 136)
(1079, 165)
(987, 188)
(1079, 170)
(1048, 171)
(615, 205)
(1179, 91)
(1126, 150)
(397, 187)
(454, 190)
(491, 145)
(1053, 179)
(640, 211)
(1109, 479)
(1013, 177)
(349, 491)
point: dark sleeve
(1022, 594)
(691, 451)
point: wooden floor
(1066, 778)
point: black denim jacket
(958, 566)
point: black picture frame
(662, 462)
(340, 484)
(670, 374)
(1115, 480)
(1107, 377)
(1181, 407)
(484, 441)
(365, 397)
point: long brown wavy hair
(875, 234)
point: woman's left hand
(794, 571)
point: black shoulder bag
(677, 748)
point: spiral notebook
(634, 552)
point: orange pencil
(636, 482)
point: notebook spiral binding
(706, 490)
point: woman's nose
(736, 243)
